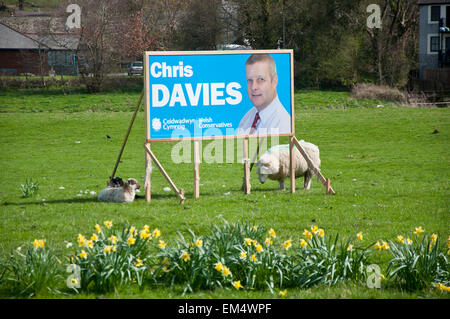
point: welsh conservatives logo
(156, 124)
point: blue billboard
(218, 94)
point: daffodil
(418, 230)
(237, 284)
(133, 231)
(378, 246)
(320, 232)
(314, 228)
(255, 242)
(400, 239)
(81, 240)
(108, 224)
(39, 243)
(272, 233)
(385, 245)
(89, 243)
(114, 248)
(185, 256)
(243, 255)
(307, 234)
(131, 240)
(83, 254)
(259, 248)
(253, 257)
(94, 237)
(268, 241)
(98, 228)
(139, 262)
(359, 235)
(218, 266)
(113, 239)
(248, 241)
(226, 271)
(303, 243)
(144, 234)
(349, 247)
(107, 249)
(199, 243)
(162, 244)
(408, 241)
(255, 228)
(434, 238)
(283, 292)
(156, 233)
(287, 244)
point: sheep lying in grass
(120, 194)
(274, 164)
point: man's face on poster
(261, 84)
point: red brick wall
(24, 61)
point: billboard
(218, 94)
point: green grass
(389, 171)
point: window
(434, 44)
(434, 14)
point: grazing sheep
(274, 164)
(121, 194)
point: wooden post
(180, 194)
(246, 167)
(148, 170)
(292, 164)
(322, 179)
(196, 170)
(254, 159)
(126, 136)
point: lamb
(274, 164)
(121, 194)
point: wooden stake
(126, 136)
(292, 164)
(322, 179)
(246, 168)
(148, 170)
(196, 170)
(180, 194)
(254, 159)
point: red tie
(255, 121)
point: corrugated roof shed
(11, 39)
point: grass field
(389, 171)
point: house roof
(425, 2)
(12, 39)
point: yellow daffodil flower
(226, 271)
(98, 228)
(253, 257)
(39, 243)
(255, 228)
(359, 235)
(144, 234)
(418, 230)
(268, 241)
(162, 244)
(287, 244)
(131, 240)
(303, 243)
(107, 249)
(218, 266)
(83, 254)
(385, 245)
(259, 248)
(248, 241)
(243, 255)
(272, 233)
(199, 243)
(400, 239)
(237, 284)
(185, 256)
(108, 224)
(349, 247)
(378, 246)
(409, 241)
(156, 233)
(94, 237)
(434, 238)
(314, 228)
(113, 239)
(139, 262)
(320, 232)
(89, 243)
(283, 292)
(81, 240)
(307, 234)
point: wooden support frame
(196, 169)
(247, 185)
(323, 180)
(179, 193)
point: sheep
(121, 194)
(274, 163)
(115, 182)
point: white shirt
(274, 116)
